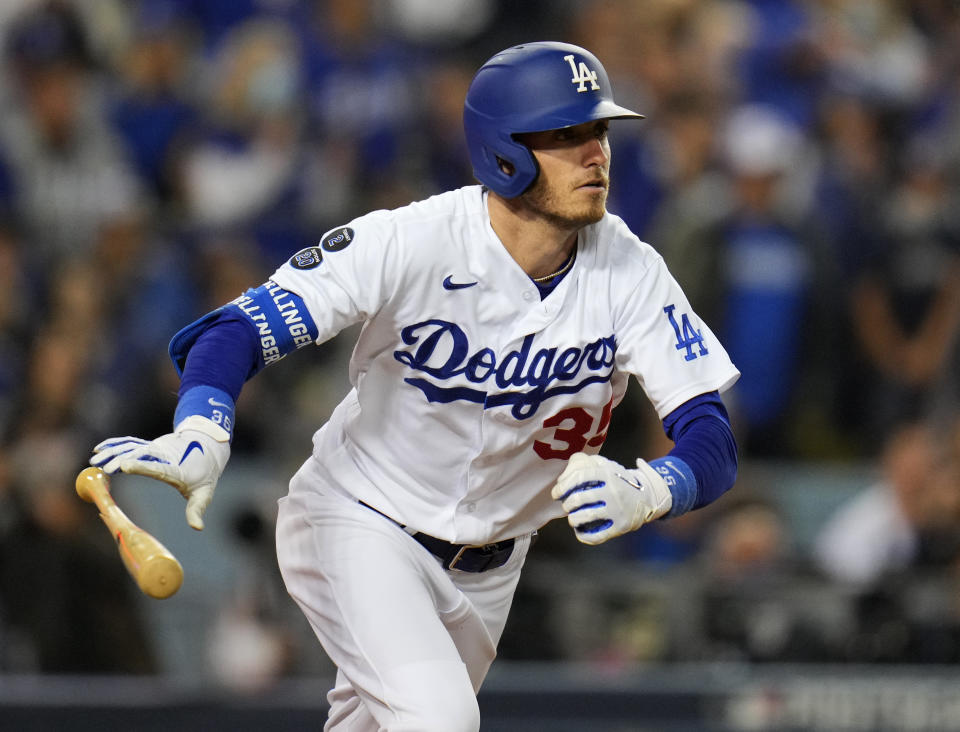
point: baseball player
(501, 323)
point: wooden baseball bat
(150, 563)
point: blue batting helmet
(531, 88)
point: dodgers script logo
(440, 349)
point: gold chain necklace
(564, 268)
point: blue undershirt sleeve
(223, 356)
(215, 369)
(702, 465)
(216, 354)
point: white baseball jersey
(469, 391)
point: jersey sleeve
(664, 343)
(347, 276)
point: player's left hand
(191, 459)
(603, 499)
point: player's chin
(593, 202)
(592, 213)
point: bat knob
(87, 478)
(161, 577)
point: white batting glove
(191, 459)
(603, 499)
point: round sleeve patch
(307, 258)
(337, 239)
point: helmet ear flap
(505, 166)
(517, 168)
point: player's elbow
(716, 462)
(731, 465)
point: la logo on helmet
(582, 74)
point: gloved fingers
(576, 490)
(594, 532)
(108, 463)
(197, 504)
(588, 514)
(151, 465)
(109, 452)
(112, 444)
(123, 460)
(584, 495)
(579, 461)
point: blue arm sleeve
(223, 356)
(218, 353)
(702, 465)
(215, 369)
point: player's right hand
(603, 499)
(191, 459)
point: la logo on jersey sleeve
(687, 336)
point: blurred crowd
(799, 170)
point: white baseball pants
(412, 642)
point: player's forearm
(224, 356)
(220, 361)
(708, 450)
(702, 465)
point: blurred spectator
(750, 610)
(451, 23)
(243, 172)
(16, 307)
(907, 518)
(699, 198)
(69, 174)
(67, 604)
(906, 297)
(143, 276)
(874, 50)
(754, 268)
(782, 65)
(441, 145)
(154, 106)
(748, 542)
(57, 379)
(364, 87)
(888, 542)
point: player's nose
(595, 152)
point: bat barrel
(160, 577)
(156, 571)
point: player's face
(571, 190)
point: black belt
(464, 557)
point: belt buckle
(456, 557)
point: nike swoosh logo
(190, 448)
(214, 403)
(449, 284)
